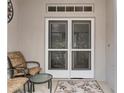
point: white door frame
(70, 73)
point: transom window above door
(82, 8)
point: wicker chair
(20, 66)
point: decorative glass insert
(58, 60)
(81, 34)
(58, 34)
(52, 8)
(81, 60)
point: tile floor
(43, 88)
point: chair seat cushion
(34, 70)
(16, 83)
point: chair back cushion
(17, 59)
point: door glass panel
(57, 60)
(81, 60)
(81, 34)
(58, 34)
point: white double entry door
(69, 44)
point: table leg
(31, 88)
(51, 86)
(24, 88)
(28, 86)
(48, 84)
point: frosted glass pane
(58, 34)
(81, 34)
(81, 60)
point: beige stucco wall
(31, 29)
(111, 42)
(12, 43)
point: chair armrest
(23, 70)
(10, 70)
(33, 62)
(18, 66)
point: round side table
(39, 79)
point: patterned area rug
(78, 86)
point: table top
(41, 78)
